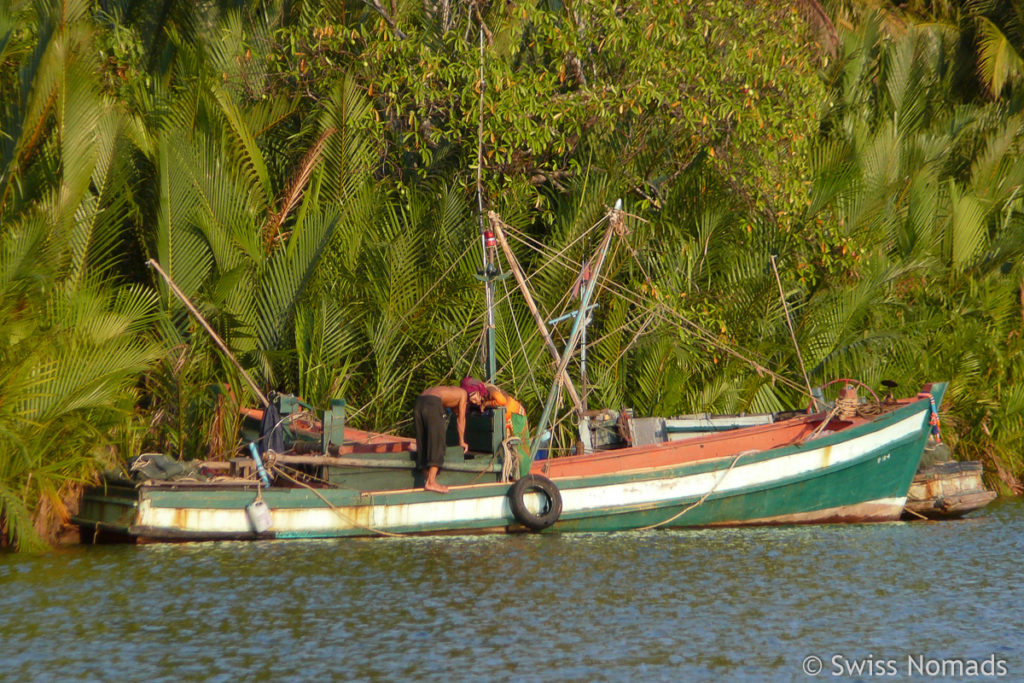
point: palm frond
(180, 248)
(968, 235)
(905, 81)
(243, 143)
(998, 170)
(347, 152)
(999, 61)
(325, 342)
(287, 274)
(17, 519)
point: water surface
(721, 604)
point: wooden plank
(337, 461)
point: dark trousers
(431, 425)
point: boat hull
(858, 474)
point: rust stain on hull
(873, 511)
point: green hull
(842, 494)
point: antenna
(487, 241)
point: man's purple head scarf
(471, 384)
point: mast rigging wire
(661, 309)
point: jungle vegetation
(306, 171)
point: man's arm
(460, 412)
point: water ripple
(657, 605)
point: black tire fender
(535, 483)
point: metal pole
(583, 357)
(490, 363)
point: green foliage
(75, 339)
(927, 185)
(306, 173)
(648, 90)
(71, 353)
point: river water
(926, 601)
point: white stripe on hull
(494, 510)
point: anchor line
(702, 498)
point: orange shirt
(512, 406)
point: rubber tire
(535, 482)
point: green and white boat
(849, 465)
(811, 469)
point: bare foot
(435, 487)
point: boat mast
(487, 242)
(614, 225)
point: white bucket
(259, 515)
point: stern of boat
(108, 512)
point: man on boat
(432, 423)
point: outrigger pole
(614, 225)
(206, 326)
(517, 271)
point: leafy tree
(927, 188)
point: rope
(556, 257)
(510, 465)
(422, 362)
(933, 417)
(557, 423)
(333, 507)
(632, 297)
(656, 313)
(659, 312)
(312, 477)
(702, 498)
(608, 368)
(792, 332)
(403, 319)
(522, 344)
(627, 347)
(846, 407)
(867, 410)
(481, 473)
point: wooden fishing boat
(322, 479)
(810, 469)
